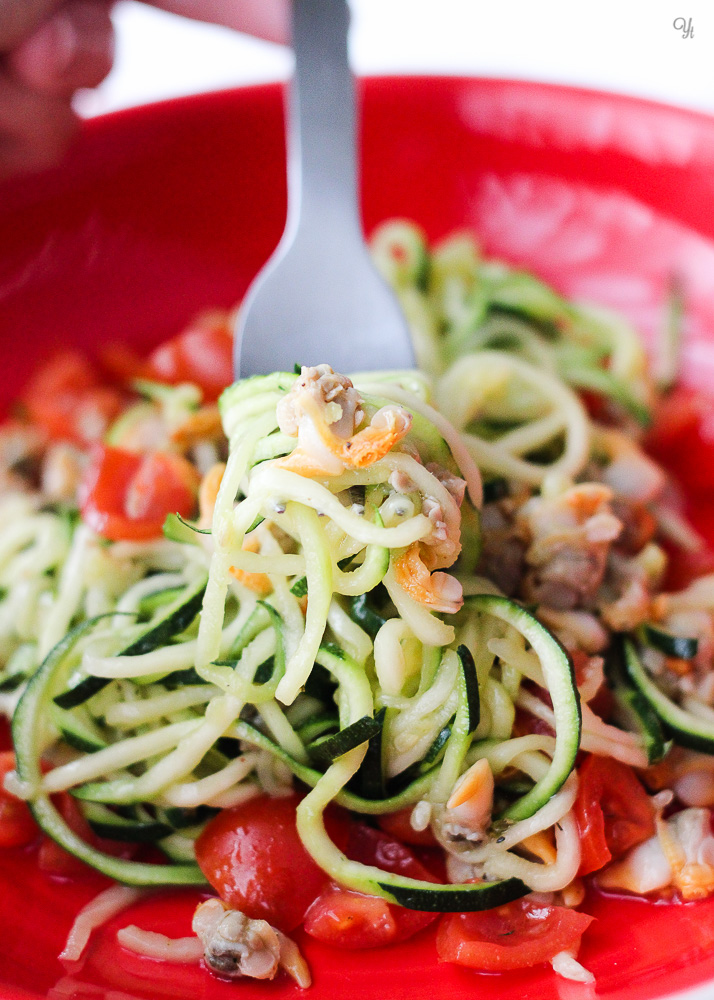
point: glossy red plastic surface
(163, 211)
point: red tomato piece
(398, 825)
(347, 919)
(602, 703)
(54, 860)
(682, 439)
(17, 827)
(374, 847)
(515, 936)
(613, 811)
(126, 496)
(683, 566)
(67, 398)
(121, 363)
(580, 664)
(679, 414)
(254, 859)
(202, 354)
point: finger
(267, 19)
(73, 49)
(19, 18)
(35, 129)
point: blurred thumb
(19, 18)
(267, 19)
(73, 48)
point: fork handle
(322, 170)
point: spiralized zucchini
(312, 626)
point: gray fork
(319, 298)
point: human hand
(51, 48)
(264, 18)
(48, 49)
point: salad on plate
(357, 654)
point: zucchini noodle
(402, 590)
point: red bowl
(166, 210)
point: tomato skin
(121, 363)
(126, 496)
(353, 920)
(679, 414)
(375, 847)
(398, 825)
(253, 857)
(515, 936)
(613, 811)
(202, 354)
(68, 399)
(17, 826)
(682, 439)
(344, 918)
(683, 567)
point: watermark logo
(685, 26)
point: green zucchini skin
(320, 725)
(327, 750)
(176, 618)
(278, 670)
(687, 729)
(75, 732)
(258, 520)
(473, 699)
(177, 529)
(632, 710)
(179, 819)
(182, 678)
(26, 725)
(432, 754)
(159, 599)
(453, 899)
(638, 714)
(369, 780)
(81, 692)
(310, 776)
(365, 616)
(18, 668)
(560, 680)
(112, 826)
(12, 682)
(671, 645)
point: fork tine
(319, 298)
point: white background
(623, 45)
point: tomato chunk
(17, 827)
(683, 566)
(126, 496)
(682, 438)
(347, 919)
(254, 859)
(515, 936)
(68, 399)
(613, 811)
(398, 824)
(202, 354)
